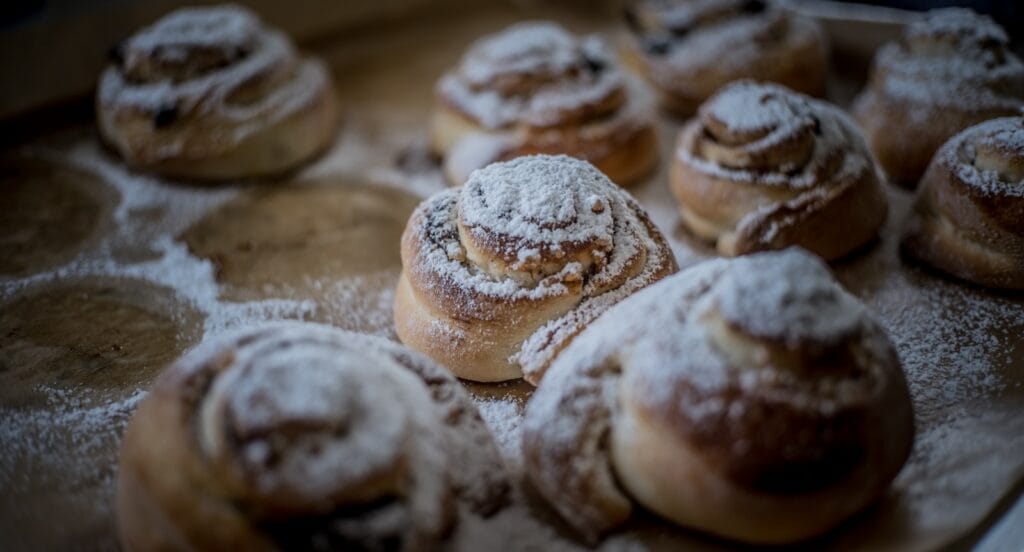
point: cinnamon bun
(968, 217)
(298, 436)
(210, 93)
(690, 49)
(535, 88)
(499, 275)
(750, 398)
(762, 167)
(951, 69)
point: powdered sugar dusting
(712, 37)
(790, 296)
(541, 48)
(787, 116)
(61, 460)
(988, 157)
(335, 410)
(951, 58)
(180, 65)
(539, 200)
(530, 211)
(301, 386)
(532, 73)
(181, 31)
(748, 106)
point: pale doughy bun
(210, 93)
(687, 50)
(535, 88)
(763, 168)
(499, 275)
(952, 69)
(297, 436)
(753, 399)
(968, 217)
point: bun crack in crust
(210, 93)
(952, 69)
(535, 88)
(499, 275)
(299, 436)
(690, 49)
(968, 217)
(752, 398)
(762, 167)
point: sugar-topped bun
(689, 49)
(750, 398)
(535, 88)
(499, 275)
(298, 436)
(210, 93)
(951, 69)
(762, 167)
(968, 217)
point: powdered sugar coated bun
(951, 69)
(210, 93)
(499, 275)
(688, 50)
(523, 210)
(732, 403)
(968, 217)
(762, 167)
(265, 426)
(787, 298)
(536, 88)
(533, 72)
(543, 49)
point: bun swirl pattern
(951, 69)
(968, 217)
(302, 436)
(210, 93)
(690, 49)
(535, 88)
(500, 274)
(751, 398)
(762, 168)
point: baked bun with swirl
(762, 167)
(535, 88)
(689, 49)
(499, 275)
(750, 398)
(210, 93)
(300, 436)
(951, 69)
(968, 216)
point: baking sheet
(101, 302)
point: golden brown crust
(536, 89)
(753, 399)
(689, 50)
(281, 436)
(181, 100)
(951, 70)
(968, 216)
(499, 275)
(764, 168)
